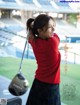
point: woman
(45, 87)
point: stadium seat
(44, 2)
(28, 1)
(9, 0)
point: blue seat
(62, 4)
(28, 1)
(44, 2)
(9, 0)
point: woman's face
(50, 29)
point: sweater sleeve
(53, 48)
(54, 42)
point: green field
(70, 81)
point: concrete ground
(4, 93)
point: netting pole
(65, 51)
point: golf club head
(19, 85)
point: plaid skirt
(44, 94)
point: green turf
(10, 66)
(73, 70)
(70, 81)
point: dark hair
(39, 22)
(28, 23)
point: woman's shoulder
(55, 37)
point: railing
(70, 57)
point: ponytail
(29, 26)
(29, 23)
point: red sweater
(48, 59)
